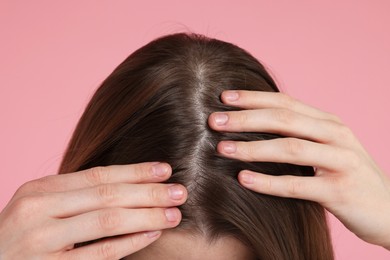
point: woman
(155, 106)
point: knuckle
(293, 146)
(286, 100)
(241, 117)
(136, 242)
(25, 205)
(340, 188)
(107, 250)
(106, 192)
(37, 185)
(20, 205)
(353, 160)
(344, 131)
(283, 116)
(142, 171)
(294, 186)
(155, 194)
(248, 151)
(26, 187)
(97, 175)
(109, 220)
(268, 185)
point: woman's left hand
(348, 183)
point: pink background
(53, 55)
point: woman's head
(154, 107)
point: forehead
(175, 245)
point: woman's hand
(47, 217)
(348, 183)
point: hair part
(154, 107)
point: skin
(183, 244)
(55, 212)
(348, 183)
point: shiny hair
(154, 107)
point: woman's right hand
(125, 203)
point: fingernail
(247, 178)
(159, 170)
(152, 234)
(175, 192)
(221, 118)
(231, 95)
(171, 215)
(229, 147)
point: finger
(283, 122)
(114, 248)
(133, 173)
(115, 221)
(115, 195)
(262, 99)
(308, 188)
(285, 150)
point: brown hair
(154, 107)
